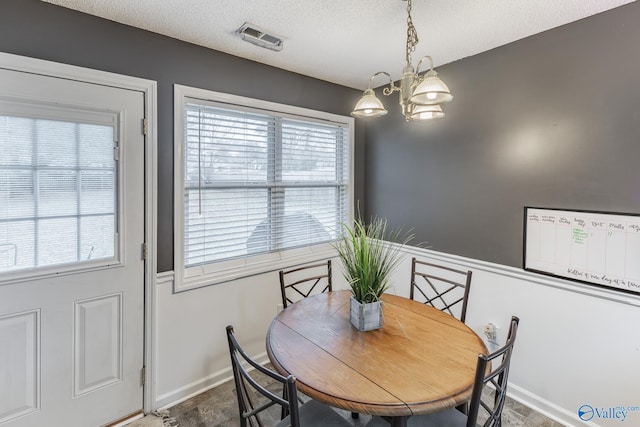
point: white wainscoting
(577, 344)
(192, 354)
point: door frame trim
(150, 90)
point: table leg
(399, 421)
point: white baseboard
(195, 388)
(546, 408)
(519, 394)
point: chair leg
(283, 410)
(463, 408)
(355, 415)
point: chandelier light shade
(369, 106)
(431, 90)
(426, 112)
(420, 96)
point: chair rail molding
(520, 274)
(165, 277)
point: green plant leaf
(369, 258)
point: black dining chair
(301, 282)
(444, 288)
(480, 412)
(254, 397)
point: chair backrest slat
(440, 286)
(294, 285)
(498, 377)
(247, 384)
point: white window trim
(224, 271)
(39, 110)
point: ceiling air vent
(253, 34)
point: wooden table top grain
(421, 361)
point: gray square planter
(365, 317)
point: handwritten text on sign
(592, 247)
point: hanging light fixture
(420, 96)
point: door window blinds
(57, 192)
(258, 182)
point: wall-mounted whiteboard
(592, 247)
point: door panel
(71, 271)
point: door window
(58, 187)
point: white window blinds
(58, 196)
(258, 182)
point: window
(57, 187)
(259, 181)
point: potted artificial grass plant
(368, 260)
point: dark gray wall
(41, 30)
(552, 120)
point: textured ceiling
(345, 41)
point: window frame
(224, 271)
(36, 109)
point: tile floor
(218, 408)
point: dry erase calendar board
(598, 248)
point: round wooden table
(421, 361)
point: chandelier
(420, 96)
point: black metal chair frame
(317, 279)
(433, 280)
(498, 377)
(244, 382)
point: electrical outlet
(279, 308)
(490, 331)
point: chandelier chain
(412, 34)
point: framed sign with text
(598, 248)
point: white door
(71, 267)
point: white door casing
(72, 335)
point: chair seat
(314, 413)
(450, 418)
